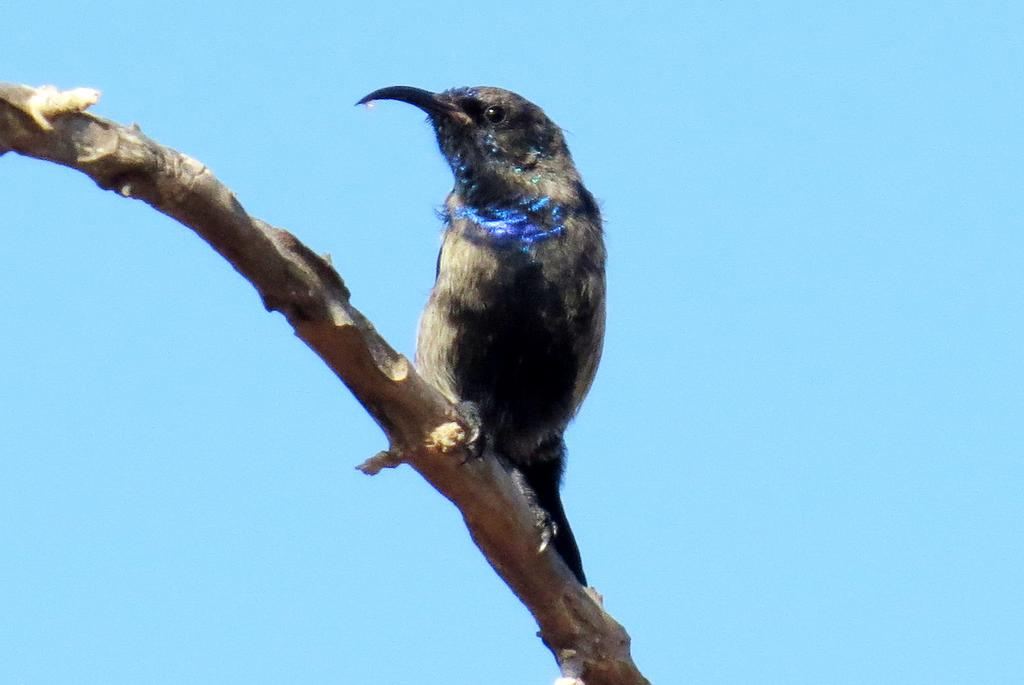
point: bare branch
(423, 429)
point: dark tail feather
(544, 479)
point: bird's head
(498, 143)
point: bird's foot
(548, 528)
(463, 432)
(469, 416)
(542, 520)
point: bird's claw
(469, 416)
(548, 531)
(461, 433)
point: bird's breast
(504, 329)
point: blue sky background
(802, 458)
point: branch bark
(422, 428)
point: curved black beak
(434, 104)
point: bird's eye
(495, 114)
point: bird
(513, 330)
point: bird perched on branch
(514, 326)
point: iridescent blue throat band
(529, 221)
